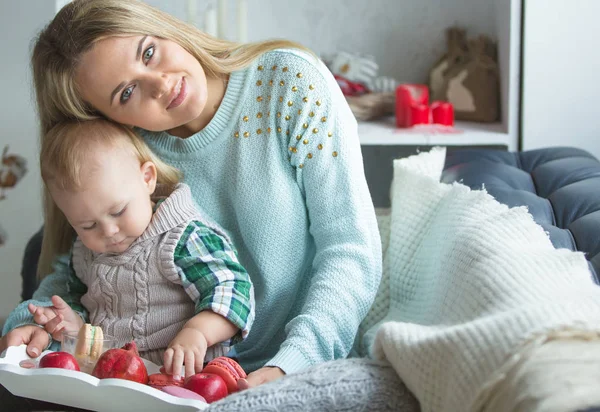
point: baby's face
(113, 208)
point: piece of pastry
(228, 369)
(90, 341)
(159, 380)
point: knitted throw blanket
(469, 286)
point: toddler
(147, 265)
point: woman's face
(143, 81)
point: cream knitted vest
(138, 295)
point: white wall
(406, 37)
(20, 212)
(561, 66)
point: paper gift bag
(456, 54)
(473, 86)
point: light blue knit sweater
(279, 167)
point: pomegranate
(124, 363)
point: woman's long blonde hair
(73, 31)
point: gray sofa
(560, 186)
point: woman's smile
(178, 94)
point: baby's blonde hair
(73, 31)
(65, 152)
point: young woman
(268, 146)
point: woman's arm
(62, 282)
(325, 151)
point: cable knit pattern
(142, 273)
(357, 385)
(279, 167)
(472, 283)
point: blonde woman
(268, 146)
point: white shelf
(384, 132)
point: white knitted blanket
(469, 285)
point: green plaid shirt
(210, 273)
(213, 277)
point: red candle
(408, 95)
(418, 114)
(442, 113)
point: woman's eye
(148, 53)
(119, 213)
(93, 225)
(126, 94)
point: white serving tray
(80, 390)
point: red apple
(208, 385)
(62, 360)
(124, 363)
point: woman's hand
(260, 376)
(33, 336)
(57, 318)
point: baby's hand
(56, 319)
(189, 348)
